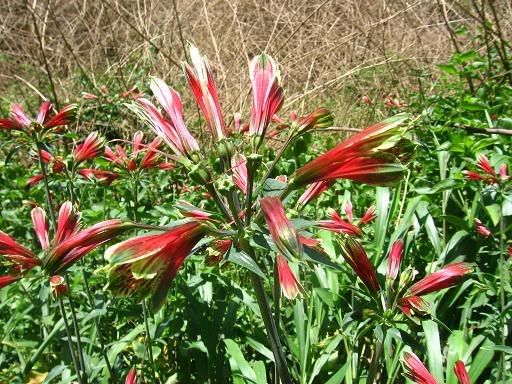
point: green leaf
(435, 356)
(273, 187)
(244, 260)
(481, 360)
(239, 366)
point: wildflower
(146, 265)
(281, 229)
(172, 128)
(58, 286)
(473, 176)
(365, 99)
(484, 164)
(416, 371)
(44, 120)
(461, 372)
(290, 286)
(41, 227)
(413, 305)
(503, 172)
(446, 277)
(348, 211)
(6, 280)
(140, 156)
(239, 168)
(267, 95)
(355, 255)
(338, 225)
(313, 191)
(217, 250)
(394, 258)
(482, 229)
(237, 121)
(368, 216)
(318, 119)
(200, 80)
(364, 157)
(131, 378)
(89, 149)
(70, 244)
(106, 177)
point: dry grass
(329, 50)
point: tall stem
(148, 340)
(375, 361)
(77, 334)
(277, 308)
(46, 184)
(135, 196)
(502, 292)
(70, 341)
(270, 326)
(70, 176)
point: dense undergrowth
(452, 204)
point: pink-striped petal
(41, 227)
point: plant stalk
(70, 341)
(268, 320)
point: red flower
(313, 191)
(89, 149)
(347, 207)
(217, 251)
(482, 229)
(58, 286)
(267, 95)
(239, 168)
(416, 371)
(200, 80)
(473, 176)
(8, 279)
(34, 180)
(290, 286)
(446, 277)
(131, 378)
(394, 259)
(146, 265)
(131, 160)
(368, 216)
(102, 176)
(281, 229)
(16, 253)
(365, 157)
(461, 373)
(484, 164)
(413, 305)
(70, 244)
(318, 119)
(41, 227)
(355, 255)
(171, 128)
(338, 225)
(44, 119)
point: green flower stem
(503, 325)
(277, 309)
(77, 333)
(54, 224)
(46, 184)
(135, 198)
(70, 176)
(272, 333)
(148, 340)
(70, 341)
(375, 361)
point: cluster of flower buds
(46, 120)
(486, 173)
